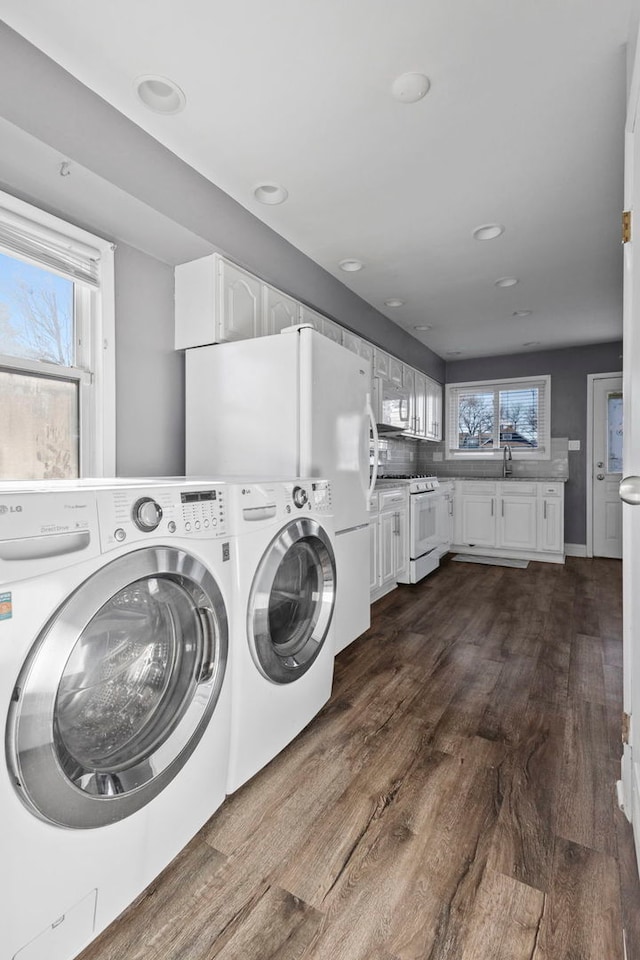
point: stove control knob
(147, 514)
(299, 496)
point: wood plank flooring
(455, 799)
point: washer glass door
(119, 688)
(292, 600)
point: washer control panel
(203, 510)
(314, 495)
(134, 514)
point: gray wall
(568, 369)
(39, 97)
(149, 372)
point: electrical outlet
(574, 444)
(438, 456)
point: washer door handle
(209, 651)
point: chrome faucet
(507, 461)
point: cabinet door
(395, 370)
(373, 553)
(420, 404)
(478, 520)
(551, 525)
(240, 303)
(331, 330)
(434, 410)
(401, 543)
(381, 363)
(387, 548)
(351, 342)
(307, 315)
(518, 522)
(444, 519)
(409, 385)
(280, 311)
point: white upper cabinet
(216, 301)
(420, 405)
(433, 403)
(240, 304)
(280, 311)
(381, 363)
(396, 368)
(328, 328)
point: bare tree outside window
(519, 417)
(40, 412)
(36, 313)
(475, 420)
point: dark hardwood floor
(455, 800)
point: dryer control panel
(134, 514)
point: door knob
(629, 490)
(601, 476)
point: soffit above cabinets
(522, 125)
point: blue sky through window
(36, 313)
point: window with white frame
(483, 417)
(57, 373)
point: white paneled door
(631, 456)
(607, 466)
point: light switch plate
(574, 444)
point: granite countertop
(539, 478)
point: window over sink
(484, 417)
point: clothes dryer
(282, 640)
(115, 695)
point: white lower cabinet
(510, 518)
(477, 513)
(517, 526)
(389, 540)
(551, 519)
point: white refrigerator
(291, 405)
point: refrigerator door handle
(376, 450)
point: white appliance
(294, 404)
(115, 696)
(282, 642)
(427, 531)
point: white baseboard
(575, 549)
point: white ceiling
(523, 126)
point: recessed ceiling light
(351, 266)
(488, 231)
(423, 326)
(522, 313)
(531, 343)
(394, 302)
(270, 193)
(160, 94)
(506, 282)
(410, 87)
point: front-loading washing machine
(114, 690)
(282, 644)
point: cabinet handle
(545, 510)
(502, 507)
(396, 528)
(492, 505)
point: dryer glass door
(119, 688)
(292, 601)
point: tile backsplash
(556, 466)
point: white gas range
(429, 524)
